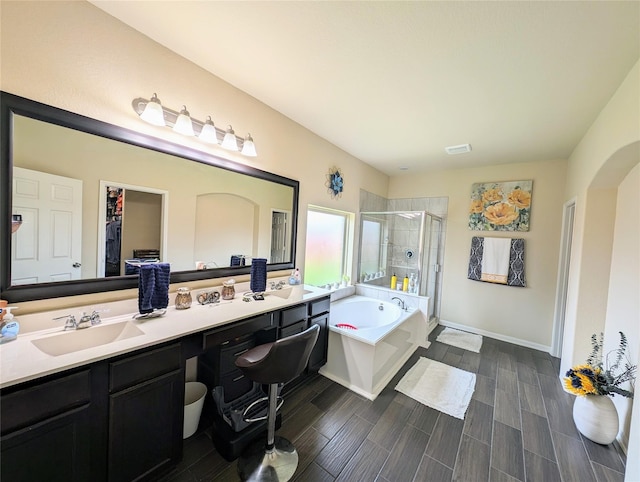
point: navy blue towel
(153, 287)
(258, 282)
(237, 260)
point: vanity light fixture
(248, 147)
(183, 123)
(153, 112)
(230, 142)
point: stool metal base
(278, 465)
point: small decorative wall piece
(335, 182)
(500, 206)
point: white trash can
(194, 393)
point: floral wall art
(500, 206)
(335, 182)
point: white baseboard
(497, 336)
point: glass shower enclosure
(404, 244)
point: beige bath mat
(439, 386)
(461, 339)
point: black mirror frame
(11, 104)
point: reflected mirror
(97, 200)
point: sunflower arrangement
(598, 377)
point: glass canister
(228, 289)
(183, 299)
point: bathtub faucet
(400, 303)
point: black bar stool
(272, 364)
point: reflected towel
(495, 260)
(153, 287)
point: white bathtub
(366, 358)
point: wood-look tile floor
(518, 427)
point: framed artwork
(500, 206)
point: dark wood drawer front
(293, 329)
(229, 354)
(139, 368)
(237, 330)
(293, 315)
(235, 385)
(319, 306)
(31, 405)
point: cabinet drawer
(293, 329)
(293, 315)
(234, 331)
(229, 354)
(30, 405)
(235, 385)
(319, 306)
(139, 368)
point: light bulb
(230, 142)
(183, 123)
(248, 147)
(153, 113)
(208, 132)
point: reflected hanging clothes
(112, 248)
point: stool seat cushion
(281, 360)
(253, 356)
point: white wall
(521, 315)
(602, 176)
(623, 306)
(74, 56)
(596, 167)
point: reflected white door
(278, 237)
(48, 245)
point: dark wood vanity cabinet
(216, 366)
(121, 419)
(146, 397)
(297, 319)
(47, 431)
(319, 315)
(117, 420)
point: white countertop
(21, 360)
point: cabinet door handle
(238, 378)
(241, 352)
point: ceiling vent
(461, 149)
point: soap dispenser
(9, 328)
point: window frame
(347, 238)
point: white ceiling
(393, 83)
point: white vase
(596, 418)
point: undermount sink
(72, 341)
(284, 293)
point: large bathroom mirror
(97, 200)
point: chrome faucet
(277, 286)
(70, 322)
(85, 320)
(400, 303)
